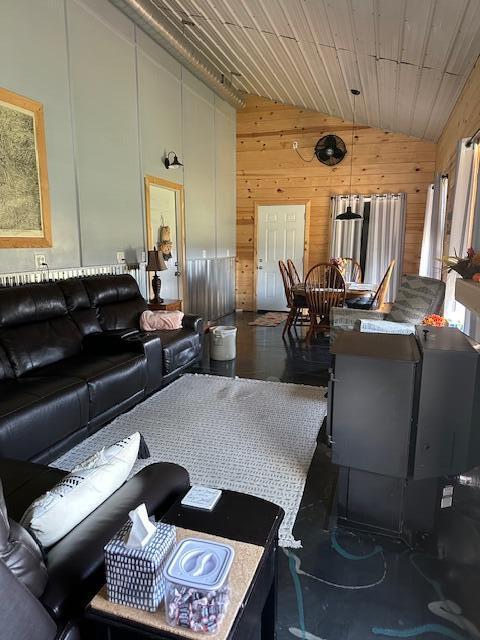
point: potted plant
(468, 267)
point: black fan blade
(339, 153)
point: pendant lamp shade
(349, 215)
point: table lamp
(156, 263)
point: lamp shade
(348, 215)
(155, 261)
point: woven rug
(269, 319)
(250, 436)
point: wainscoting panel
(211, 287)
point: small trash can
(223, 343)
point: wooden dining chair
(381, 292)
(287, 286)
(324, 289)
(295, 304)
(293, 273)
(376, 302)
(353, 271)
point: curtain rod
(373, 195)
(471, 140)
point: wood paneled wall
(269, 170)
(462, 123)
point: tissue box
(134, 577)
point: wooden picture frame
(179, 190)
(24, 196)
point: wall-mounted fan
(330, 150)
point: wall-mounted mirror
(165, 220)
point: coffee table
(237, 517)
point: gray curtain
(346, 235)
(386, 237)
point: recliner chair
(417, 297)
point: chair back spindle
(381, 292)
(293, 273)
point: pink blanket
(153, 320)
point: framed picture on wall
(24, 197)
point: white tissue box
(134, 577)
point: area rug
(245, 435)
(269, 319)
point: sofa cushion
(79, 306)
(55, 513)
(117, 299)
(180, 347)
(35, 329)
(31, 303)
(37, 412)
(111, 379)
(38, 344)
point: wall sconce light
(172, 164)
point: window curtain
(434, 229)
(346, 235)
(386, 237)
(466, 176)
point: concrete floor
(343, 585)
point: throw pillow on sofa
(161, 320)
(58, 511)
(20, 552)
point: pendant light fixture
(349, 214)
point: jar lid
(200, 564)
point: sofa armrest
(194, 322)
(344, 318)
(108, 342)
(150, 345)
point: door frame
(181, 249)
(307, 203)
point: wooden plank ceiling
(409, 58)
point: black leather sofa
(75, 564)
(72, 358)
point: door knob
(259, 267)
(178, 273)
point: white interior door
(280, 235)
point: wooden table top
(352, 289)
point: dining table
(352, 290)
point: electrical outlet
(39, 259)
(204, 254)
(144, 256)
(120, 257)
(295, 144)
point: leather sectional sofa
(75, 563)
(72, 358)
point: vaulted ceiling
(409, 58)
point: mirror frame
(181, 248)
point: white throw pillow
(70, 501)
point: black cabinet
(404, 411)
(373, 401)
(448, 423)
